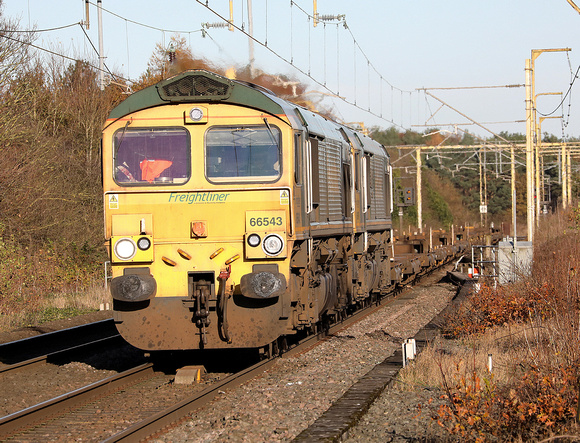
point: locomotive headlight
(196, 114)
(273, 244)
(254, 240)
(143, 243)
(125, 249)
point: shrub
(537, 405)
(541, 395)
(29, 276)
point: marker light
(168, 261)
(273, 244)
(216, 253)
(254, 240)
(125, 249)
(184, 254)
(143, 243)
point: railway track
(56, 419)
(26, 422)
(57, 342)
(64, 355)
(173, 414)
(346, 412)
(53, 419)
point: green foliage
(412, 138)
(550, 138)
(387, 137)
(439, 207)
(468, 139)
(411, 216)
(511, 137)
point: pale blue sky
(412, 44)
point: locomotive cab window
(151, 156)
(243, 153)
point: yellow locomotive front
(198, 215)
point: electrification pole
(569, 175)
(87, 22)
(529, 152)
(564, 177)
(480, 189)
(251, 37)
(485, 185)
(101, 46)
(535, 54)
(513, 177)
(419, 194)
(539, 161)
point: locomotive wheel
(275, 348)
(282, 345)
(325, 323)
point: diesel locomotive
(234, 218)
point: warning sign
(284, 197)
(113, 201)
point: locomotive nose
(133, 287)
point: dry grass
(532, 332)
(47, 282)
(61, 305)
(448, 360)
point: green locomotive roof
(198, 86)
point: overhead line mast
(101, 46)
(532, 142)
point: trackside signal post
(405, 198)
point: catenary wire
(221, 17)
(66, 57)
(565, 96)
(143, 24)
(95, 49)
(34, 31)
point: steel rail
(173, 414)
(29, 417)
(40, 345)
(43, 359)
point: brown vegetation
(50, 185)
(51, 231)
(166, 62)
(531, 331)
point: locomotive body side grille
(330, 173)
(377, 197)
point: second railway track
(129, 422)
